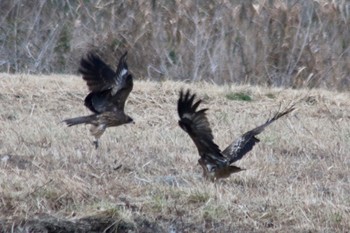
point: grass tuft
(270, 95)
(240, 96)
(198, 197)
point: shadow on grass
(108, 221)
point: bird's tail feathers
(79, 120)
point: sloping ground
(145, 177)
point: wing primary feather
(195, 106)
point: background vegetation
(292, 43)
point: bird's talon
(96, 144)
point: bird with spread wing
(108, 93)
(216, 164)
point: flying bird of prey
(108, 93)
(216, 164)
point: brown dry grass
(297, 178)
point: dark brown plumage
(215, 163)
(108, 93)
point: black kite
(108, 93)
(215, 163)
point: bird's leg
(95, 142)
(206, 173)
(97, 137)
(97, 131)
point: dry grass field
(146, 177)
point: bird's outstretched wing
(97, 74)
(124, 84)
(246, 142)
(196, 124)
(109, 89)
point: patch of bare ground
(145, 177)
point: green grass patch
(240, 96)
(198, 197)
(270, 95)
